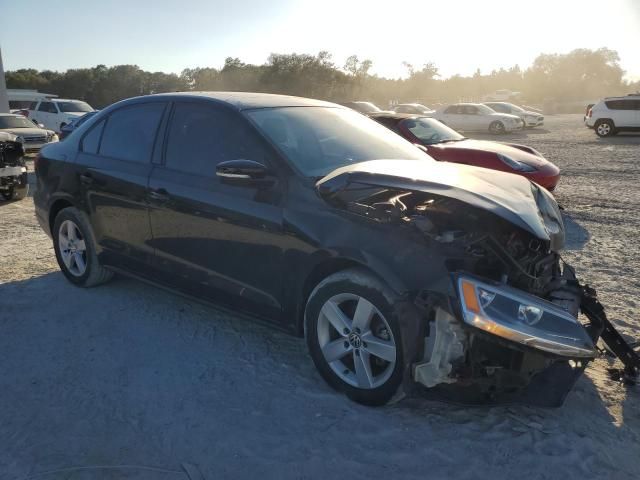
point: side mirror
(244, 173)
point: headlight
(522, 318)
(515, 164)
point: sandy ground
(147, 383)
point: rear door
(636, 104)
(454, 117)
(113, 165)
(623, 112)
(218, 241)
(47, 114)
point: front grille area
(36, 139)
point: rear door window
(201, 136)
(91, 140)
(453, 109)
(130, 132)
(620, 104)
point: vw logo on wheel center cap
(355, 340)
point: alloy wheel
(356, 341)
(604, 129)
(72, 247)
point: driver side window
(201, 136)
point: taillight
(590, 113)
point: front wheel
(354, 337)
(497, 128)
(74, 245)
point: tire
(604, 128)
(16, 193)
(368, 352)
(76, 255)
(497, 127)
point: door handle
(159, 194)
(86, 179)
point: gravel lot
(147, 383)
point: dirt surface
(127, 381)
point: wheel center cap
(355, 340)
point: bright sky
(457, 35)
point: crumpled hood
(509, 196)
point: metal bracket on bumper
(601, 327)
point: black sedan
(399, 270)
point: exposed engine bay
(513, 276)
(13, 171)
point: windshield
(484, 110)
(317, 140)
(430, 131)
(16, 122)
(74, 106)
(514, 108)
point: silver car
(476, 117)
(531, 119)
(29, 134)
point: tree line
(577, 76)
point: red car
(447, 145)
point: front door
(219, 241)
(113, 166)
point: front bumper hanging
(601, 327)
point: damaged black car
(405, 275)
(14, 184)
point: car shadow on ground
(134, 376)
(576, 236)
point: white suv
(55, 113)
(615, 114)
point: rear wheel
(605, 128)
(74, 245)
(497, 127)
(354, 337)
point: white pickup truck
(55, 113)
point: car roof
(249, 100)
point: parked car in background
(476, 117)
(413, 108)
(396, 268)
(615, 114)
(70, 127)
(55, 113)
(29, 134)
(363, 107)
(13, 171)
(502, 95)
(447, 145)
(530, 119)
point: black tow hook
(603, 328)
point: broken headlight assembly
(521, 318)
